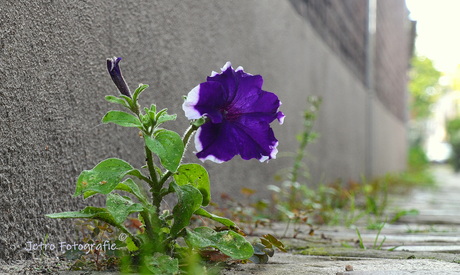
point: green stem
(300, 154)
(188, 134)
(153, 230)
(151, 167)
(296, 167)
(153, 181)
(148, 224)
(155, 186)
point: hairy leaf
(197, 176)
(228, 242)
(131, 187)
(103, 178)
(168, 146)
(120, 207)
(122, 119)
(189, 200)
(222, 220)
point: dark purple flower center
(229, 115)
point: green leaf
(153, 108)
(162, 116)
(103, 178)
(161, 112)
(128, 99)
(146, 121)
(151, 112)
(162, 264)
(189, 199)
(197, 176)
(89, 194)
(120, 207)
(136, 173)
(165, 117)
(122, 119)
(222, 220)
(228, 242)
(168, 146)
(89, 212)
(138, 91)
(131, 187)
(131, 245)
(114, 99)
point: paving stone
(284, 264)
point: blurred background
(434, 81)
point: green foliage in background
(424, 86)
(453, 135)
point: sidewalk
(428, 243)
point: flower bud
(117, 77)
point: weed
(249, 213)
(335, 203)
(402, 213)
(360, 239)
(376, 245)
(45, 242)
(377, 237)
(294, 201)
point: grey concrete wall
(53, 79)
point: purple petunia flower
(239, 114)
(117, 77)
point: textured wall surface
(393, 33)
(53, 79)
(343, 27)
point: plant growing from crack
(294, 199)
(230, 115)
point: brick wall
(343, 27)
(393, 49)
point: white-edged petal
(263, 158)
(211, 158)
(198, 145)
(189, 104)
(226, 66)
(274, 151)
(281, 119)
